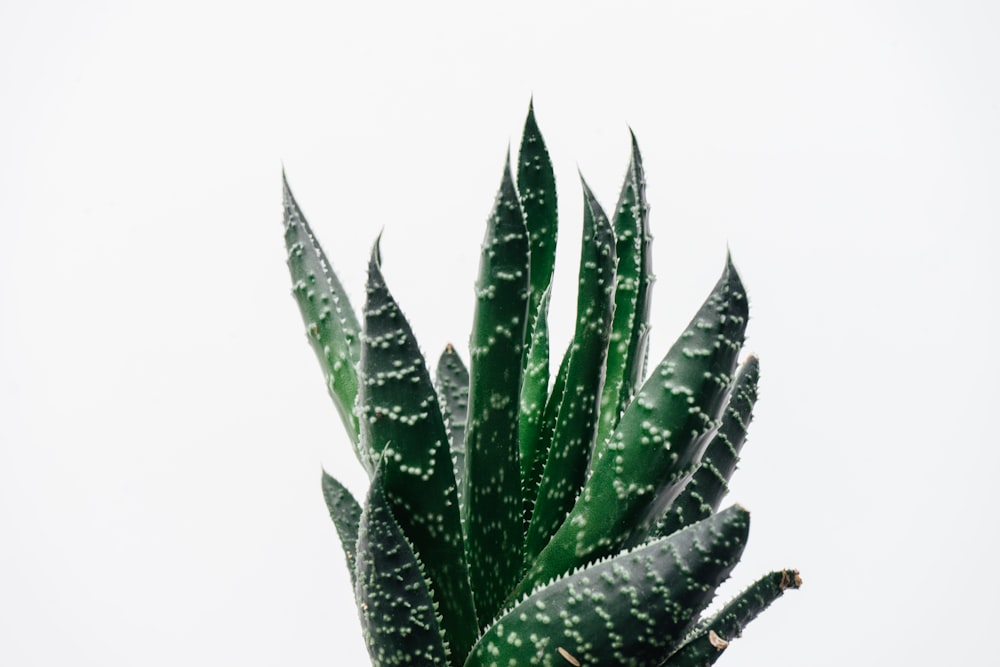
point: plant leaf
(576, 420)
(704, 492)
(627, 610)
(658, 442)
(452, 382)
(711, 637)
(346, 514)
(493, 506)
(397, 609)
(536, 183)
(534, 393)
(401, 419)
(627, 350)
(331, 326)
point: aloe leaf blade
(346, 515)
(712, 636)
(331, 326)
(576, 420)
(492, 487)
(658, 442)
(401, 420)
(627, 350)
(703, 494)
(536, 185)
(627, 610)
(397, 608)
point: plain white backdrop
(163, 421)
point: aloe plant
(519, 516)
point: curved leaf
(658, 442)
(534, 392)
(346, 514)
(709, 484)
(331, 327)
(576, 420)
(628, 350)
(536, 183)
(398, 617)
(627, 610)
(452, 382)
(492, 491)
(401, 419)
(711, 637)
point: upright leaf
(397, 608)
(576, 419)
(493, 506)
(346, 515)
(711, 637)
(452, 381)
(627, 610)
(633, 279)
(401, 420)
(331, 327)
(536, 183)
(658, 442)
(703, 494)
(534, 392)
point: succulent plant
(517, 516)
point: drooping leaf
(711, 637)
(627, 610)
(331, 326)
(452, 381)
(658, 442)
(704, 492)
(346, 514)
(397, 608)
(401, 420)
(633, 281)
(576, 419)
(536, 184)
(492, 492)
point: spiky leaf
(704, 492)
(658, 442)
(401, 419)
(331, 326)
(536, 184)
(452, 381)
(534, 392)
(627, 610)
(627, 350)
(346, 514)
(398, 617)
(576, 419)
(712, 636)
(492, 491)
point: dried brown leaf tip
(568, 657)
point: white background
(163, 421)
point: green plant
(518, 518)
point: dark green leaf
(536, 183)
(628, 350)
(398, 616)
(331, 327)
(492, 493)
(401, 419)
(711, 637)
(346, 514)
(703, 494)
(534, 392)
(452, 381)
(658, 442)
(576, 420)
(627, 610)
